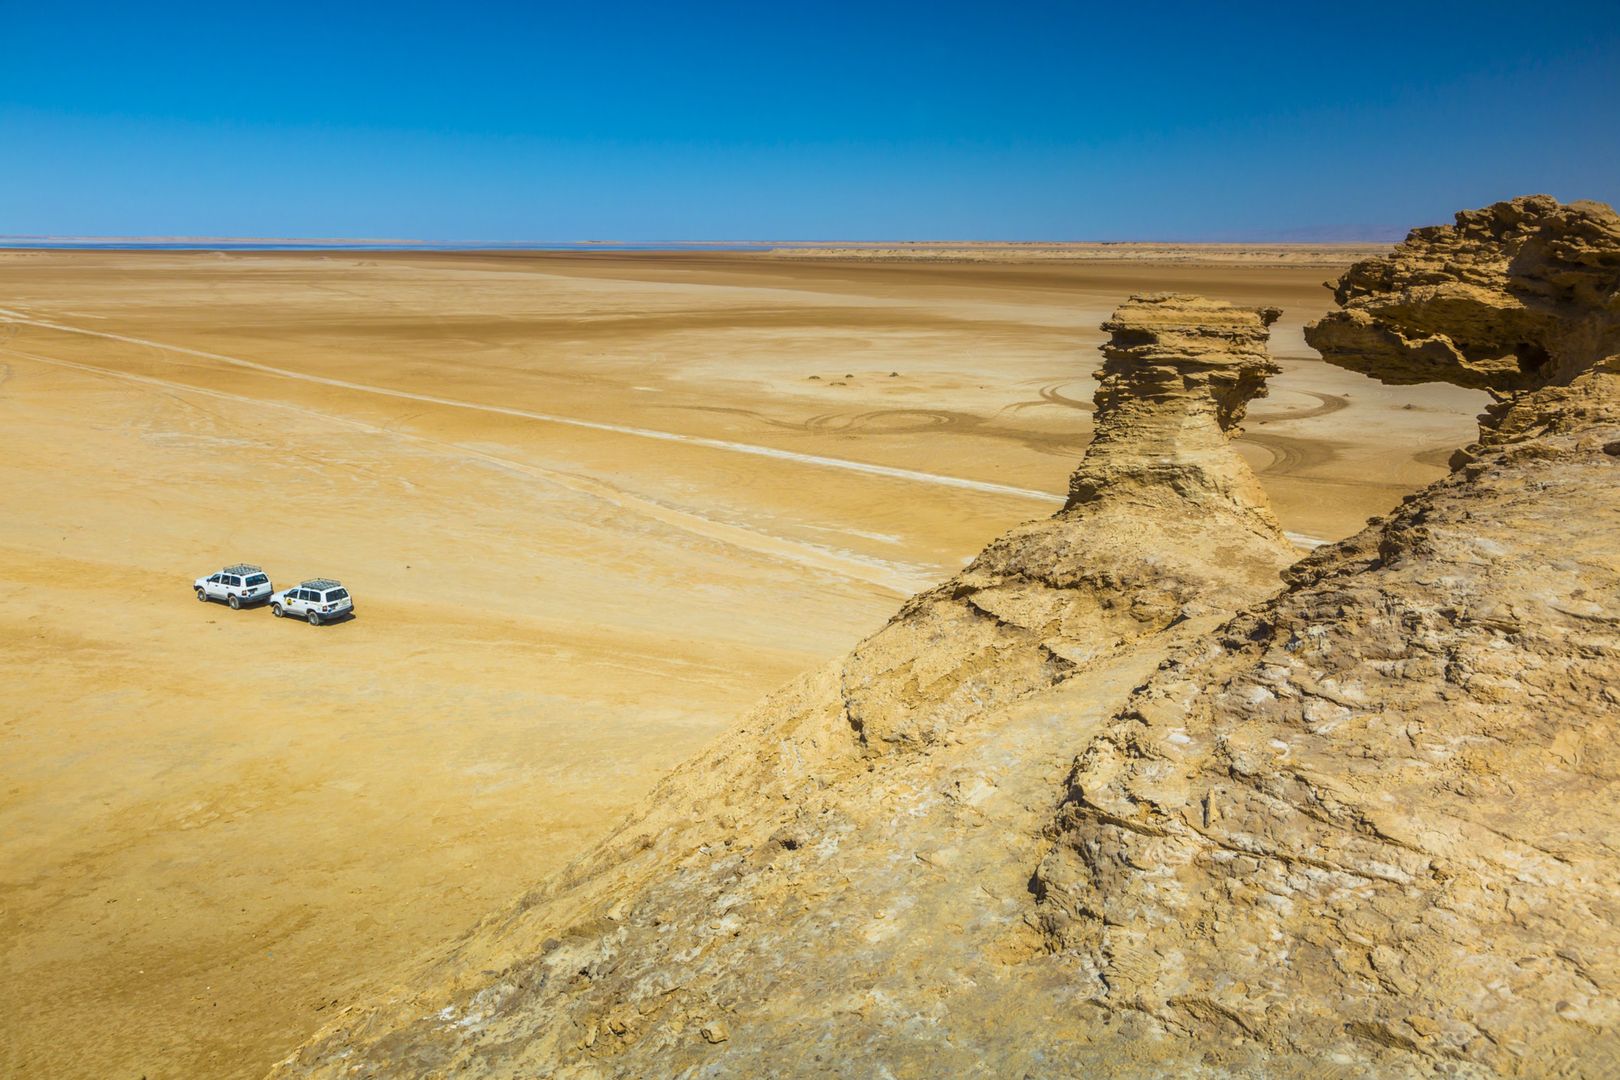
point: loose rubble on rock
(1139, 792)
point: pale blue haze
(680, 121)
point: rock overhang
(1515, 296)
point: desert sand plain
(590, 506)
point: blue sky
(785, 120)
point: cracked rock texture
(1381, 810)
(844, 883)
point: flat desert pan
(590, 506)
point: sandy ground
(590, 507)
(1291, 255)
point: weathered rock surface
(1111, 803)
(1382, 809)
(1512, 297)
(1164, 523)
(844, 883)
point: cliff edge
(1118, 800)
(845, 879)
(1380, 810)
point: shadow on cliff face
(1363, 825)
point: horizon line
(16, 239)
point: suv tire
(235, 602)
(202, 596)
(314, 618)
(275, 609)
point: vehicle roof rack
(320, 583)
(243, 568)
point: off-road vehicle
(318, 600)
(237, 585)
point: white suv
(317, 600)
(237, 585)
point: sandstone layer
(1164, 524)
(1361, 825)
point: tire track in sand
(1327, 405)
(866, 468)
(890, 471)
(900, 578)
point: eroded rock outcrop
(1512, 297)
(843, 883)
(1164, 523)
(1381, 810)
(1361, 826)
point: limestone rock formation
(852, 867)
(1177, 378)
(1512, 297)
(1382, 810)
(1112, 803)
(1164, 523)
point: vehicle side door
(215, 586)
(297, 601)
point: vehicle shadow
(244, 607)
(265, 605)
(336, 620)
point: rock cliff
(1380, 810)
(1117, 800)
(851, 868)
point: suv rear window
(337, 594)
(257, 579)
